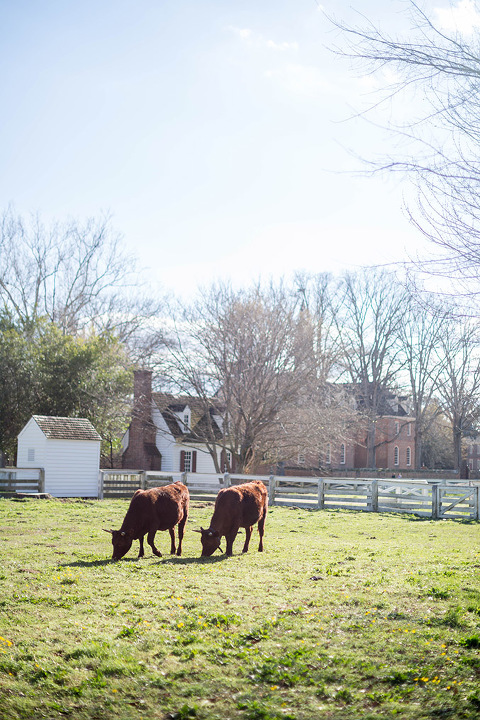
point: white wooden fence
(20, 480)
(446, 499)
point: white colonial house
(165, 430)
(68, 449)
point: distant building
(394, 441)
(472, 447)
(168, 432)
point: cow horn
(109, 531)
(195, 530)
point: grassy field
(345, 615)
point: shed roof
(64, 428)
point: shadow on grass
(89, 563)
(164, 560)
(194, 560)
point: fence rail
(445, 499)
(15, 480)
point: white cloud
(244, 34)
(248, 36)
(462, 18)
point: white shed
(69, 451)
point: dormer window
(186, 422)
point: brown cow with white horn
(160, 508)
(240, 506)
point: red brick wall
(141, 429)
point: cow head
(210, 542)
(121, 541)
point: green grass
(344, 616)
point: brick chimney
(141, 453)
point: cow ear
(109, 531)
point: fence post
(185, 478)
(321, 494)
(226, 480)
(41, 480)
(374, 496)
(142, 478)
(271, 489)
(100, 484)
(476, 503)
(435, 501)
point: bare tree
(371, 309)
(436, 72)
(459, 383)
(75, 273)
(421, 334)
(325, 412)
(247, 349)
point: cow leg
(141, 552)
(172, 540)
(151, 542)
(230, 540)
(248, 535)
(181, 528)
(261, 527)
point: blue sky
(211, 131)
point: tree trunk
(371, 444)
(418, 449)
(457, 448)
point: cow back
(158, 508)
(240, 506)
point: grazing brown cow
(160, 508)
(236, 507)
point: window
(186, 422)
(409, 429)
(409, 456)
(301, 459)
(187, 461)
(397, 428)
(31, 454)
(342, 454)
(328, 454)
(395, 455)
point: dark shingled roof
(169, 405)
(64, 428)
